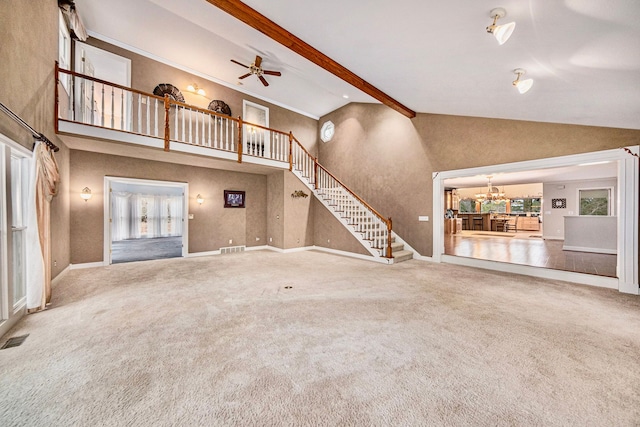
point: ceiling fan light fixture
(523, 86)
(500, 32)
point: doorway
(96, 103)
(145, 220)
(626, 221)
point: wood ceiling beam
(269, 28)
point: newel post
(56, 111)
(389, 252)
(315, 173)
(290, 151)
(167, 130)
(239, 139)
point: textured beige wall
(298, 214)
(213, 225)
(330, 233)
(389, 160)
(28, 51)
(275, 209)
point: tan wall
(298, 214)
(28, 51)
(275, 209)
(330, 233)
(146, 74)
(389, 159)
(212, 226)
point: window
(14, 183)
(19, 190)
(256, 140)
(64, 51)
(467, 206)
(526, 205)
(595, 201)
(491, 206)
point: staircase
(361, 220)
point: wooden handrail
(367, 205)
(117, 86)
(301, 146)
(160, 98)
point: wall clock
(327, 131)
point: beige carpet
(221, 341)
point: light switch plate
(423, 218)
(190, 216)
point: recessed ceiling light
(345, 96)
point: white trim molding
(626, 207)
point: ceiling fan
(256, 68)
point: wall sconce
(500, 32)
(299, 193)
(193, 88)
(86, 193)
(523, 86)
(199, 199)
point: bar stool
(477, 223)
(465, 222)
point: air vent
(232, 249)
(14, 342)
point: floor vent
(232, 249)
(14, 342)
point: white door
(103, 105)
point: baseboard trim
(58, 278)
(591, 250)
(200, 254)
(85, 265)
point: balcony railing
(101, 104)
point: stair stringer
(375, 252)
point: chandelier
(492, 194)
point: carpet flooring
(308, 338)
(146, 249)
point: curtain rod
(37, 135)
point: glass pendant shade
(524, 85)
(503, 32)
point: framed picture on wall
(233, 199)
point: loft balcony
(97, 109)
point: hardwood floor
(527, 248)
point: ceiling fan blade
(236, 62)
(263, 80)
(271, 73)
(244, 77)
(258, 61)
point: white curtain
(162, 216)
(35, 273)
(120, 214)
(135, 216)
(43, 181)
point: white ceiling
(432, 56)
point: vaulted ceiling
(430, 55)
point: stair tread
(401, 253)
